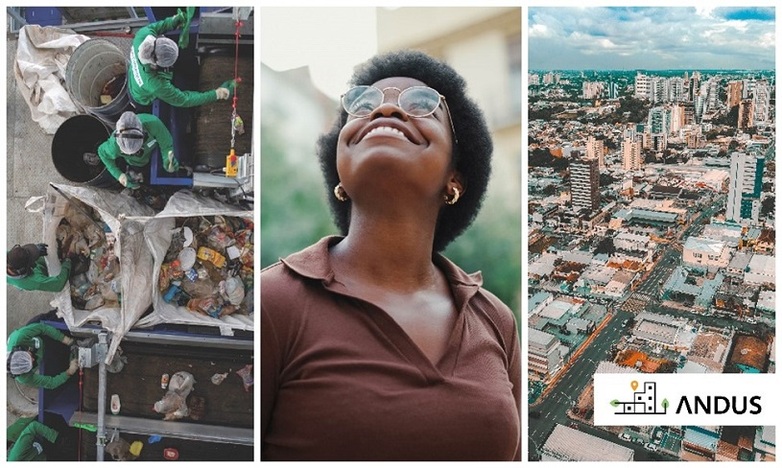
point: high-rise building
(689, 113)
(658, 120)
(533, 79)
(746, 114)
(676, 119)
(659, 89)
(734, 93)
(746, 187)
(631, 154)
(543, 354)
(694, 87)
(709, 92)
(612, 90)
(596, 150)
(761, 100)
(585, 184)
(591, 89)
(643, 86)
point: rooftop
(749, 351)
(705, 245)
(540, 338)
(566, 443)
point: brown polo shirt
(340, 380)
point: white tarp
(42, 54)
(125, 218)
(158, 231)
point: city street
(562, 393)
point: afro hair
(471, 155)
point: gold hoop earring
(340, 193)
(453, 199)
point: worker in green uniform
(135, 138)
(31, 440)
(149, 72)
(26, 269)
(25, 351)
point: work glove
(42, 249)
(73, 367)
(67, 340)
(127, 182)
(222, 93)
(179, 17)
(183, 20)
(226, 90)
(170, 163)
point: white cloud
(742, 26)
(539, 30)
(607, 44)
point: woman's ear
(455, 182)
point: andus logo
(686, 399)
(643, 401)
(719, 404)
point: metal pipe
(16, 16)
(101, 434)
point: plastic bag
(218, 378)
(246, 373)
(232, 290)
(174, 402)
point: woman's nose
(391, 109)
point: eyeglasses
(416, 101)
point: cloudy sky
(651, 38)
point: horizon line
(650, 69)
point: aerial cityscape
(651, 222)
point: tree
(294, 211)
(541, 157)
(666, 367)
(767, 206)
(606, 246)
(606, 180)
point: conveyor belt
(175, 429)
(138, 385)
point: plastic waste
(115, 404)
(232, 290)
(136, 447)
(174, 402)
(218, 378)
(246, 373)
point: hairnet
(22, 257)
(166, 52)
(21, 362)
(129, 133)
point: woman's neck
(390, 252)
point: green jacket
(23, 434)
(146, 84)
(39, 279)
(156, 135)
(32, 336)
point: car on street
(624, 436)
(651, 447)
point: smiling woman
(375, 346)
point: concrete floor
(29, 170)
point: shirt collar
(313, 262)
